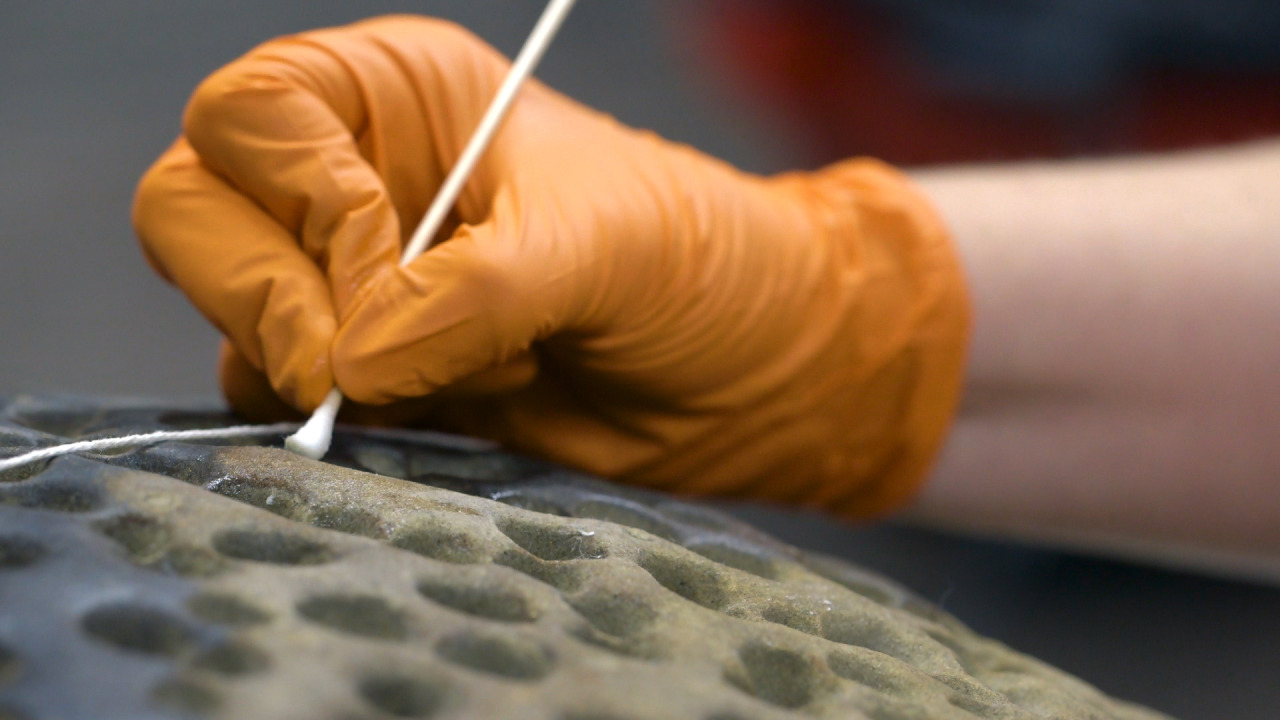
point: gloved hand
(604, 298)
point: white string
(312, 440)
(115, 443)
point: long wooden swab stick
(314, 437)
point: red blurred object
(1175, 110)
(843, 76)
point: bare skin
(1123, 392)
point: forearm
(1122, 390)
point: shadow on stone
(366, 615)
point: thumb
(472, 304)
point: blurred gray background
(91, 92)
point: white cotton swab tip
(312, 439)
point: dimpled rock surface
(427, 576)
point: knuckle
(435, 31)
(213, 105)
(447, 42)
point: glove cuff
(858, 428)
(904, 347)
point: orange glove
(604, 298)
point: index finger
(242, 270)
(279, 125)
(343, 134)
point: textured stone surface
(458, 581)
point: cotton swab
(313, 439)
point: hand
(603, 298)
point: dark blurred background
(92, 91)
